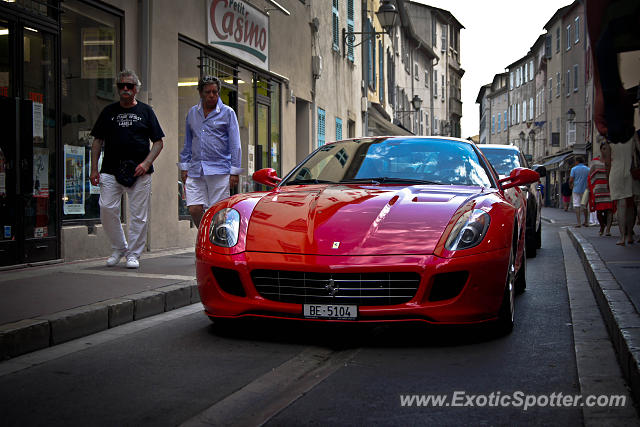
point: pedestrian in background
(578, 181)
(565, 190)
(624, 189)
(125, 128)
(599, 195)
(210, 160)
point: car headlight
(224, 228)
(469, 230)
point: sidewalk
(613, 273)
(48, 305)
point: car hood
(354, 220)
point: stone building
(288, 69)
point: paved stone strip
(49, 330)
(115, 273)
(598, 369)
(620, 316)
(260, 400)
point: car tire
(531, 243)
(539, 236)
(504, 324)
(521, 275)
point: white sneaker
(114, 259)
(132, 262)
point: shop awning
(555, 162)
(379, 125)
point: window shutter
(547, 46)
(443, 48)
(381, 71)
(373, 59)
(531, 70)
(571, 133)
(434, 32)
(531, 108)
(336, 26)
(435, 83)
(321, 127)
(350, 27)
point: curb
(619, 314)
(45, 331)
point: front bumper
(478, 299)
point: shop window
(247, 125)
(91, 59)
(188, 76)
(275, 127)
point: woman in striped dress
(599, 195)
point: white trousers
(139, 195)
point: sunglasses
(125, 85)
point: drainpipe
(145, 47)
(145, 50)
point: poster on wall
(37, 120)
(40, 172)
(73, 180)
(85, 138)
(250, 160)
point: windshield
(397, 161)
(503, 160)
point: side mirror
(266, 176)
(542, 171)
(519, 176)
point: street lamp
(387, 16)
(571, 116)
(531, 144)
(416, 103)
(522, 136)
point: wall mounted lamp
(416, 103)
(571, 116)
(387, 16)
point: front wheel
(539, 236)
(521, 279)
(531, 242)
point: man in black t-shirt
(124, 129)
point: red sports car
(385, 229)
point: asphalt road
(178, 369)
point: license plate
(331, 311)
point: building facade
(288, 69)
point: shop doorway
(28, 156)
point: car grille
(336, 288)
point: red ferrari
(385, 229)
